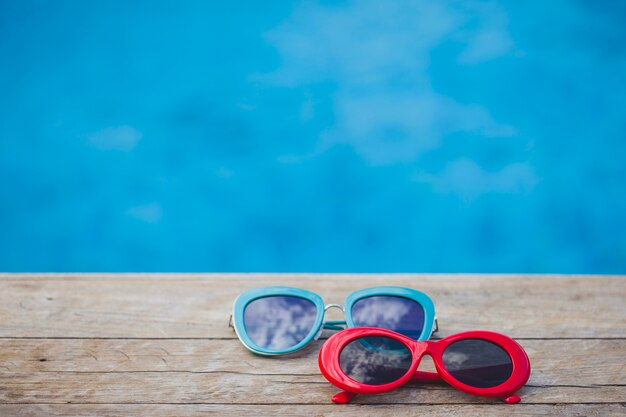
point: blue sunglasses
(281, 320)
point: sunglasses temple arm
(512, 399)
(342, 397)
(426, 376)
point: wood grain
(198, 306)
(552, 360)
(297, 410)
(159, 345)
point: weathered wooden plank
(237, 388)
(200, 410)
(188, 306)
(554, 362)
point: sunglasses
(370, 360)
(281, 320)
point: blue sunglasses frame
(240, 304)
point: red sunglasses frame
(328, 360)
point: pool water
(313, 136)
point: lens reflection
(395, 313)
(478, 363)
(279, 322)
(375, 360)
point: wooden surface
(159, 345)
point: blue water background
(339, 136)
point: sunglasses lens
(478, 363)
(399, 314)
(279, 322)
(375, 360)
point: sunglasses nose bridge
(333, 324)
(329, 306)
(420, 349)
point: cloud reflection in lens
(279, 322)
(395, 313)
(375, 360)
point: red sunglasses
(367, 360)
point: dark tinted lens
(390, 312)
(478, 363)
(279, 322)
(375, 360)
